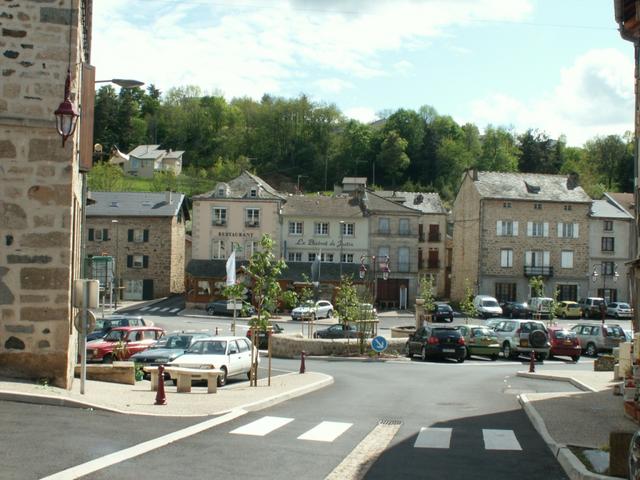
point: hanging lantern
(384, 268)
(66, 114)
(362, 272)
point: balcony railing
(404, 267)
(219, 223)
(252, 223)
(433, 264)
(435, 236)
(530, 271)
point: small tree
(289, 299)
(537, 286)
(426, 293)
(306, 292)
(347, 301)
(466, 305)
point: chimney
(474, 174)
(573, 180)
(168, 197)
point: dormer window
(253, 193)
(222, 190)
(532, 188)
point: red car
(564, 343)
(122, 342)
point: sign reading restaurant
(323, 243)
(235, 234)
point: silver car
(619, 310)
(598, 338)
(523, 336)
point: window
(252, 218)
(218, 249)
(295, 228)
(221, 192)
(404, 226)
(566, 259)
(567, 208)
(608, 268)
(348, 229)
(99, 234)
(567, 292)
(537, 206)
(537, 229)
(608, 226)
(321, 228)
(383, 252)
(383, 225)
(347, 258)
(326, 257)
(403, 259)
(506, 228)
(311, 257)
(137, 261)
(506, 292)
(294, 256)
(137, 235)
(253, 192)
(568, 230)
(506, 205)
(506, 258)
(607, 244)
(219, 216)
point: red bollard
(532, 362)
(302, 367)
(216, 331)
(161, 398)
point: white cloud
(403, 67)
(593, 97)
(363, 114)
(332, 85)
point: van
(487, 306)
(590, 307)
(540, 306)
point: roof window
(532, 188)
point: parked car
(338, 330)
(564, 343)
(493, 323)
(568, 309)
(487, 306)
(367, 312)
(619, 310)
(219, 307)
(590, 306)
(442, 312)
(437, 341)
(122, 342)
(312, 310)
(263, 338)
(168, 348)
(104, 325)
(480, 340)
(523, 336)
(515, 309)
(598, 338)
(540, 307)
(230, 354)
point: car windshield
(445, 332)
(490, 303)
(483, 332)
(308, 304)
(209, 347)
(444, 308)
(564, 335)
(527, 327)
(615, 331)
(623, 305)
(173, 341)
(115, 335)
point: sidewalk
(582, 419)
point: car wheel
(330, 314)
(108, 358)
(423, 354)
(407, 351)
(460, 359)
(494, 357)
(467, 353)
(510, 314)
(222, 378)
(541, 356)
(575, 358)
(210, 311)
(591, 350)
(506, 350)
(313, 317)
(249, 374)
(564, 316)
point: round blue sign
(379, 344)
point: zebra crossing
(426, 438)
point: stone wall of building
(40, 191)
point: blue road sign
(379, 344)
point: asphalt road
(461, 406)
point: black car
(104, 325)
(338, 330)
(168, 348)
(440, 342)
(515, 309)
(263, 339)
(442, 312)
(219, 307)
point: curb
(541, 376)
(572, 466)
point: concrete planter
(118, 372)
(402, 332)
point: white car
(487, 306)
(232, 355)
(619, 310)
(311, 310)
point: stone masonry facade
(40, 190)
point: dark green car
(480, 340)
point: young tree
(106, 177)
(537, 286)
(466, 305)
(347, 301)
(426, 293)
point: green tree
(466, 305)
(392, 156)
(499, 151)
(347, 303)
(165, 181)
(537, 286)
(106, 177)
(426, 292)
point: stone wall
(290, 346)
(40, 190)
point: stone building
(41, 183)
(509, 227)
(145, 234)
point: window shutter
(105, 234)
(129, 261)
(499, 228)
(145, 261)
(529, 229)
(515, 229)
(559, 229)
(130, 235)
(527, 258)
(145, 235)
(503, 258)
(576, 227)
(545, 259)
(545, 229)
(91, 234)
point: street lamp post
(342, 227)
(384, 268)
(605, 273)
(116, 272)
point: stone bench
(184, 376)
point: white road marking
(326, 431)
(142, 448)
(165, 309)
(144, 308)
(433, 438)
(174, 310)
(262, 427)
(500, 440)
(154, 309)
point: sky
(557, 66)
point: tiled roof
(174, 154)
(528, 186)
(625, 200)
(240, 186)
(146, 151)
(135, 204)
(322, 206)
(606, 209)
(425, 202)
(378, 204)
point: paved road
(167, 307)
(455, 421)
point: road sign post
(379, 344)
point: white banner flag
(231, 269)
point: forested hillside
(313, 144)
